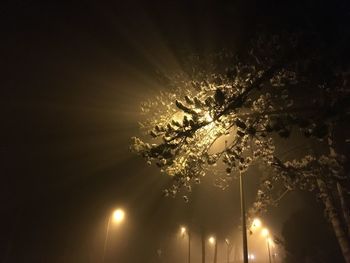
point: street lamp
(269, 245)
(213, 241)
(251, 257)
(244, 227)
(117, 216)
(265, 234)
(227, 241)
(183, 232)
(179, 116)
(256, 223)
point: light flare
(265, 232)
(211, 240)
(118, 215)
(256, 223)
(183, 230)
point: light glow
(227, 241)
(256, 223)
(265, 232)
(211, 240)
(118, 215)
(183, 230)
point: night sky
(72, 79)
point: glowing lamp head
(183, 230)
(265, 232)
(211, 240)
(118, 215)
(256, 223)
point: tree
(230, 111)
(308, 238)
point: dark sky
(72, 77)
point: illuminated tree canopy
(229, 111)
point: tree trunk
(334, 220)
(344, 207)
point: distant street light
(256, 223)
(118, 216)
(213, 241)
(243, 216)
(227, 241)
(251, 257)
(269, 245)
(184, 230)
(265, 233)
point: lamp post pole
(203, 244)
(216, 251)
(185, 231)
(244, 227)
(106, 239)
(189, 246)
(118, 217)
(227, 250)
(268, 250)
(228, 255)
(213, 241)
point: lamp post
(184, 230)
(256, 224)
(269, 241)
(227, 241)
(265, 233)
(189, 246)
(244, 227)
(213, 241)
(203, 243)
(118, 217)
